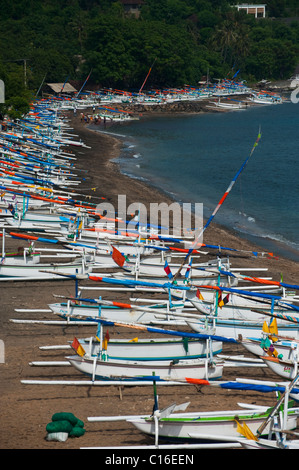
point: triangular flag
(78, 348)
(118, 257)
(134, 340)
(188, 270)
(106, 340)
(273, 330)
(198, 295)
(167, 270)
(224, 301)
(265, 327)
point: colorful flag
(265, 327)
(167, 270)
(78, 348)
(273, 330)
(118, 257)
(224, 301)
(188, 270)
(199, 295)
(106, 340)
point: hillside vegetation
(180, 40)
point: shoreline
(146, 193)
(266, 242)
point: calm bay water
(195, 157)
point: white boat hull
(153, 349)
(143, 370)
(285, 349)
(182, 425)
(40, 272)
(118, 314)
(288, 369)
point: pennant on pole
(199, 295)
(78, 347)
(222, 301)
(106, 340)
(273, 330)
(188, 270)
(118, 257)
(167, 270)
(134, 340)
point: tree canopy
(180, 39)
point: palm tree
(78, 24)
(231, 38)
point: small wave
(141, 178)
(136, 155)
(110, 133)
(248, 217)
(270, 236)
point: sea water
(195, 157)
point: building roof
(57, 87)
(132, 2)
(251, 5)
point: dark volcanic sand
(26, 409)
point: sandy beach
(27, 409)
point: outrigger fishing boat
(230, 105)
(245, 328)
(26, 265)
(93, 309)
(100, 369)
(144, 349)
(251, 424)
(265, 98)
(29, 268)
(200, 424)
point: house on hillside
(259, 11)
(132, 7)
